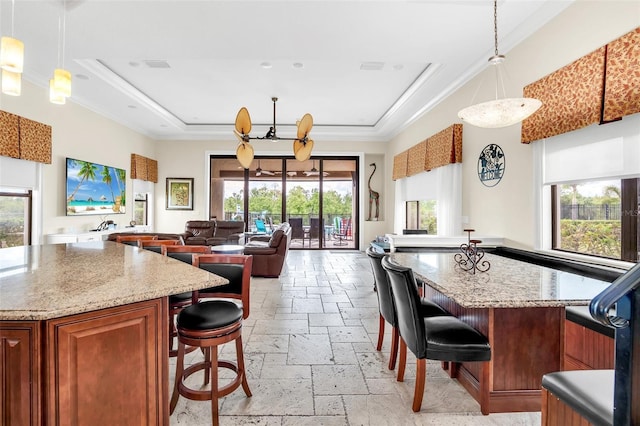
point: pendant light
(11, 61)
(60, 85)
(501, 112)
(11, 83)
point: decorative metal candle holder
(470, 258)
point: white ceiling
(215, 51)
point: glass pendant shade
(11, 54)
(55, 97)
(62, 82)
(11, 83)
(500, 112)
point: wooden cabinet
(20, 372)
(106, 367)
(585, 349)
(109, 366)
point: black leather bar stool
(208, 325)
(387, 309)
(442, 338)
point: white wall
(507, 210)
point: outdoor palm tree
(87, 172)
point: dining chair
(387, 309)
(443, 338)
(297, 231)
(132, 240)
(156, 245)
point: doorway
(318, 197)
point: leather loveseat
(212, 232)
(269, 252)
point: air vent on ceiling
(372, 66)
(156, 63)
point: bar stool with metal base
(208, 325)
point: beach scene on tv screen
(94, 188)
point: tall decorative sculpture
(374, 196)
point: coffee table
(227, 249)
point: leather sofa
(212, 232)
(269, 252)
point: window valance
(24, 139)
(144, 168)
(445, 147)
(599, 87)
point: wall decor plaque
(491, 165)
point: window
(422, 215)
(140, 209)
(597, 218)
(15, 218)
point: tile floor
(311, 358)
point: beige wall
(506, 210)
(81, 134)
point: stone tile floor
(311, 358)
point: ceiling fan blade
(305, 125)
(244, 153)
(304, 152)
(243, 122)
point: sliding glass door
(318, 197)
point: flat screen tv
(94, 189)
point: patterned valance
(144, 168)
(445, 147)
(400, 165)
(599, 87)
(622, 84)
(24, 139)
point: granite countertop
(51, 281)
(508, 283)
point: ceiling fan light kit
(302, 145)
(501, 112)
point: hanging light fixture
(501, 112)
(11, 61)
(12, 49)
(11, 83)
(302, 145)
(60, 85)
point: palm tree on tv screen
(106, 178)
(87, 172)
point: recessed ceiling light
(298, 65)
(82, 77)
(134, 64)
(371, 66)
(132, 106)
(266, 65)
(398, 67)
(163, 125)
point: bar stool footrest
(205, 395)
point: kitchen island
(84, 333)
(519, 306)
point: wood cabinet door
(109, 367)
(20, 373)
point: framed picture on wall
(179, 193)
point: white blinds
(596, 152)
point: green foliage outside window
(596, 237)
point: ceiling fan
(314, 171)
(260, 172)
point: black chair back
(407, 303)
(385, 298)
(232, 272)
